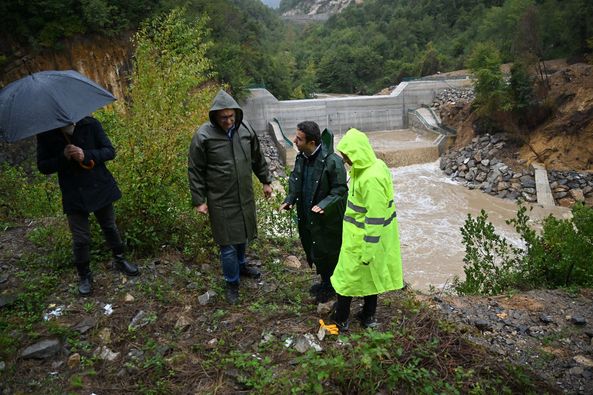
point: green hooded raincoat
(370, 260)
(330, 189)
(220, 169)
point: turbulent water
(431, 209)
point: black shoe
(251, 272)
(85, 285)
(342, 325)
(232, 293)
(367, 321)
(326, 293)
(129, 269)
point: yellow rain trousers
(370, 261)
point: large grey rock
(527, 181)
(86, 324)
(7, 299)
(577, 194)
(43, 349)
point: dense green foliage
(372, 45)
(558, 256)
(170, 94)
(248, 37)
(167, 101)
(363, 49)
(43, 22)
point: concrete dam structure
(384, 113)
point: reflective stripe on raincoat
(370, 260)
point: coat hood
(327, 141)
(224, 100)
(356, 145)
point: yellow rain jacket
(370, 260)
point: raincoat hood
(356, 145)
(223, 100)
(327, 141)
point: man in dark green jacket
(222, 155)
(318, 187)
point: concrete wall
(367, 113)
(417, 123)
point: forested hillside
(377, 43)
(247, 36)
(369, 45)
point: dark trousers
(81, 233)
(322, 265)
(343, 307)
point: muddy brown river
(431, 210)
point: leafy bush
(567, 248)
(490, 88)
(170, 97)
(560, 255)
(491, 263)
(27, 196)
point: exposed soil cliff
(564, 141)
(107, 61)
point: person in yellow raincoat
(370, 261)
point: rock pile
(549, 330)
(271, 153)
(453, 97)
(477, 166)
(569, 187)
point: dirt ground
(548, 330)
(154, 324)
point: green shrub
(490, 88)
(169, 98)
(491, 263)
(567, 248)
(559, 255)
(27, 196)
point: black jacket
(82, 190)
(321, 234)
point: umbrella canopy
(47, 100)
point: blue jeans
(232, 258)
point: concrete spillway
(385, 116)
(396, 148)
(367, 113)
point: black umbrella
(47, 100)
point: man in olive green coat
(317, 186)
(222, 155)
(370, 261)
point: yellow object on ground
(332, 329)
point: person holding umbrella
(78, 153)
(53, 105)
